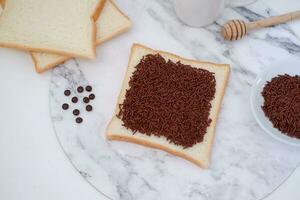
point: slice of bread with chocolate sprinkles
(170, 103)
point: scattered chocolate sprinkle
(282, 103)
(80, 89)
(92, 96)
(67, 92)
(89, 108)
(88, 88)
(78, 120)
(86, 100)
(74, 99)
(168, 99)
(76, 112)
(65, 106)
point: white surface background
(32, 164)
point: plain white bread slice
(59, 26)
(2, 3)
(110, 23)
(200, 152)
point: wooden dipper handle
(236, 29)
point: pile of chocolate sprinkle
(168, 99)
(282, 104)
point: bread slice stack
(199, 153)
(53, 31)
(2, 4)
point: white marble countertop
(33, 166)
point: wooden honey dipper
(236, 29)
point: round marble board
(246, 163)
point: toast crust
(93, 19)
(95, 13)
(40, 69)
(112, 136)
(119, 31)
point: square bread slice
(2, 3)
(110, 23)
(65, 27)
(198, 153)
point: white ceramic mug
(198, 13)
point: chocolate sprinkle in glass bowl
(290, 66)
(282, 103)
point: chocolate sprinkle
(78, 120)
(169, 99)
(76, 112)
(89, 108)
(65, 106)
(282, 104)
(80, 89)
(86, 100)
(88, 88)
(67, 92)
(92, 96)
(74, 99)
